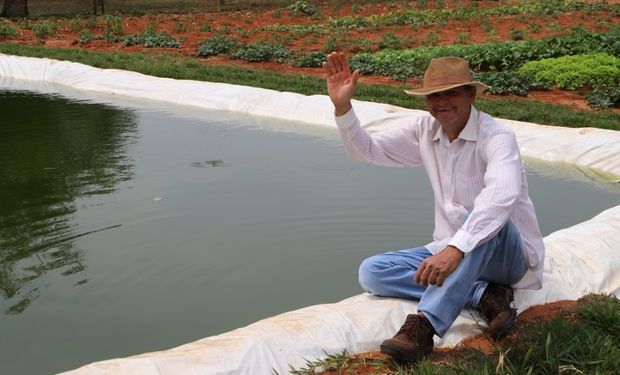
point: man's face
(451, 107)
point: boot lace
(411, 326)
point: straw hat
(445, 73)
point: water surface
(127, 229)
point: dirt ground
(482, 342)
(247, 26)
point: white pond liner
(580, 259)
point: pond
(139, 227)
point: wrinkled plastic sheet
(579, 260)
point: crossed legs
(498, 261)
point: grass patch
(175, 66)
(585, 340)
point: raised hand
(341, 83)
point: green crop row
(253, 52)
(510, 55)
(256, 52)
(419, 18)
(596, 74)
(575, 73)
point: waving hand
(341, 83)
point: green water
(127, 229)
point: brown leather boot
(412, 342)
(495, 307)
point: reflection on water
(53, 152)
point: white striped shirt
(479, 179)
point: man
(486, 238)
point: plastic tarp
(581, 259)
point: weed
(361, 45)
(152, 39)
(462, 38)
(517, 34)
(331, 44)
(549, 7)
(25, 24)
(44, 29)
(390, 40)
(205, 27)
(605, 96)
(179, 27)
(262, 51)
(110, 37)
(7, 31)
(302, 8)
(312, 60)
(431, 38)
(216, 45)
(87, 36)
(487, 26)
(113, 24)
(536, 28)
(243, 33)
(77, 23)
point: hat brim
(424, 91)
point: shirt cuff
(347, 119)
(463, 241)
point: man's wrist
(342, 110)
(456, 250)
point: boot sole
(401, 356)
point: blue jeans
(500, 261)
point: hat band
(447, 80)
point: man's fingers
(355, 76)
(418, 275)
(439, 280)
(330, 66)
(325, 66)
(423, 274)
(338, 62)
(431, 273)
(341, 62)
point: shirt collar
(469, 132)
